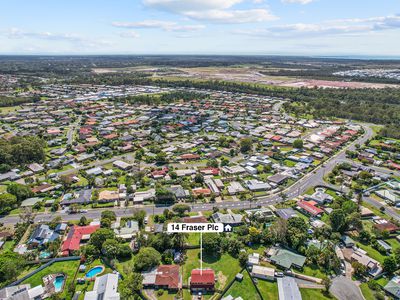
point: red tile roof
(310, 208)
(74, 237)
(205, 277)
(168, 275)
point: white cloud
(16, 33)
(233, 16)
(333, 27)
(181, 6)
(167, 26)
(219, 11)
(130, 34)
(298, 1)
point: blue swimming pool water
(58, 283)
(94, 271)
(44, 254)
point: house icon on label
(227, 228)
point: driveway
(345, 289)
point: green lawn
(373, 253)
(367, 292)
(244, 289)
(268, 289)
(225, 267)
(68, 268)
(193, 239)
(313, 271)
(313, 294)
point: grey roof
(288, 289)
(227, 218)
(286, 258)
(286, 213)
(393, 287)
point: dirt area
(250, 74)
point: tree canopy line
(21, 150)
(154, 99)
(15, 101)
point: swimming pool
(93, 272)
(44, 254)
(59, 283)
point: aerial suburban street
(312, 179)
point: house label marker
(195, 227)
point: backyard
(69, 268)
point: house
(263, 273)
(261, 213)
(81, 197)
(285, 258)
(194, 219)
(278, 178)
(253, 259)
(373, 267)
(288, 289)
(139, 197)
(127, 232)
(22, 292)
(121, 165)
(105, 287)
(202, 280)
(319, 197)
(108, 196)
(347, 241)
(309, 208)
(212, 186)
(75, 236)
(393, 287)
(235, 187)
(255, 185)
(286, 213)
(163, 277)
(231, 219)
(384, 225)
(41, 236)
(385, 246)
(201, 191)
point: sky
(256, 27)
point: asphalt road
(344, 288)
(309, 180)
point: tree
(53, 223)
(211, 243)
(298, 144)
(199, 178)
(243, 259)
(98, 237)
(20, 191)
(181, 209)
(139, 216)
(296, 232)
(389, 265)
(66, 181)
(7, 202)
(327, 282)
(83, 221)
(110, 248)
(359, 269)
(107, 214)
(161, 157)
(131, 284)
(246, 145)
(338, 220)
(90, 251)
(11, 265)
(147, 258)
